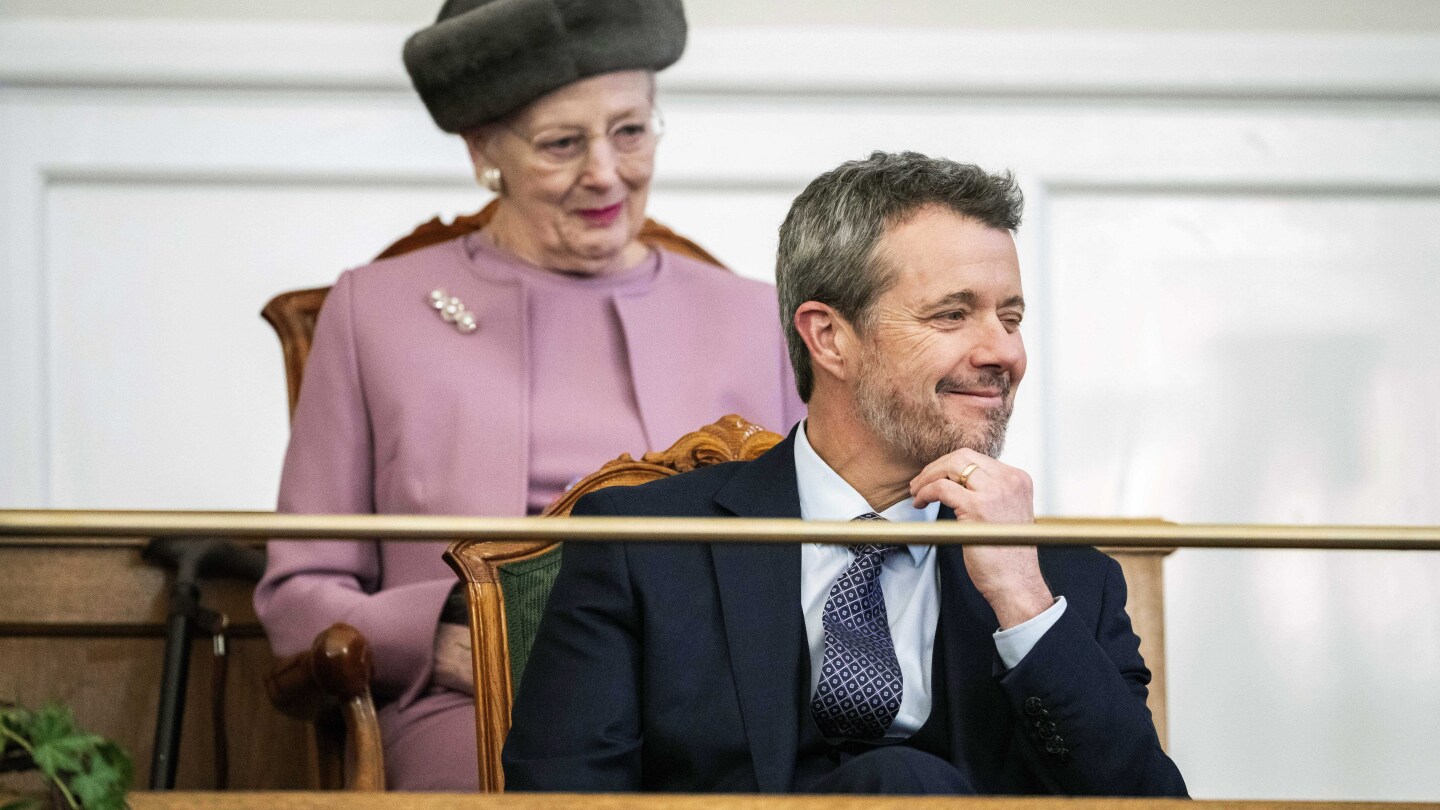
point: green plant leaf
(16, 719)
(53, 722)
(89, 771)
(113, 755)
(60, 757)
(106, 780)
(98, 790)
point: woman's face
(575, 167)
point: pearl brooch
(453, 311)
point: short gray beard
(919, 430)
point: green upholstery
(526, 586)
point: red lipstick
(601, 217)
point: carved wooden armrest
(334, 670)
(330, 686)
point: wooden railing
(40, 524)
(102, 625)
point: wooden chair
(501, 640)
(329, 685)
(492, 570)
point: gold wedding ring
(963, 479)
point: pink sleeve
(329, 469)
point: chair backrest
(507, 583)
(293, 314)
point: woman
(483, 375)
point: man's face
(942, 356)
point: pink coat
(400, 413)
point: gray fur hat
(484, 59)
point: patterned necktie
(860, 684)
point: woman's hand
(453, 667)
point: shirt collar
(824, 495)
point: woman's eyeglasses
(561, 147)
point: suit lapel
(759, 586)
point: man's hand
(453, 667)
(1007, 576)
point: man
(824, 668)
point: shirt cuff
(1015, 643)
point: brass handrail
(1117, 533)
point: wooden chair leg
(328, 731)
(366, 764)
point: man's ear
(828, 336)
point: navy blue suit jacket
(675, 667)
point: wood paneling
(83, 623)
(98, 586)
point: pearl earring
(490, 178)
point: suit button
(1055, 745)
(1046, 729)
(1034, 706)
(1063, 755)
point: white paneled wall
(1268, 356)
(1230, 253)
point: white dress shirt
(909, 581)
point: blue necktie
(860, 684)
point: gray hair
(828, 241)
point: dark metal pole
(184, 599)
(192, 559)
